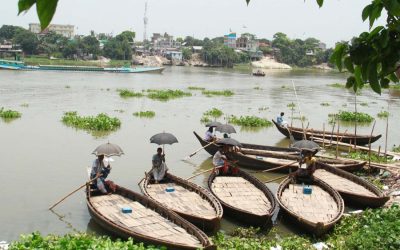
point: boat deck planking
(241, 194)
(342, 184)
(142, 220)
(181, 200)
(319, 206)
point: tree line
(56, 45)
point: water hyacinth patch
(125, 93)
(210, 93)
(101, 122)
(325, 104)
(76, 241)
(351, 117)
(249, 121)
(214, 112)
(337, 85)
(196, 88)
(383, 114)
(165, 95)
(145, 114)
(291, 105)
(9, 114)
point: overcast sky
(336, 20)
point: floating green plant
(383, 114)
(291, 105)
(325, 104)
(145, 114)
(301, 118)
(214, 112)
(396, 149)
(126, 93)
(351, 117)
(67, 86)
(217, 92)
(364, 156)
(365, 104)
(101, 122)
(249, 121)
(119, 110)
(257, 88)
(25, 105)
(205, 119)
(165, 95)
(263, 108)
(337, 85)
(9, 114)
(395, 86)
(196, 88)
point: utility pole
(145, 21)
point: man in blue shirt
(280, 120)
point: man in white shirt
(219, 157)
(209, 135)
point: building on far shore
(64, 30)
(230, 40)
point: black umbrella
(306, 145)
(213, 124)
(229, 142)
(163, 138)
(108, 149)
(225, 128)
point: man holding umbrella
(100, 171)
(306, 169)
(159, 168)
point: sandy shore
(269, 63)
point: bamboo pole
(355, 124)
(278, 178)
(298, 104)
(323, 136)
(202, 172)
(76, 190)
(333, 128)
(337, 139)
(195, 152)
(280, 167)
(387, 131)
(369, 145)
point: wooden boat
(265, 159)
(243, 197)
(352, 188)
(149, 222)
(317, 212)
(298, 134)
(258, 157)
(258, 73)
(192, 202)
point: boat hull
(208, 225)
(242, 215)
(298, 134)
(125, 233)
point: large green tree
(27, 40)
(8, 32)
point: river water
(42, 160)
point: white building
(64, 30)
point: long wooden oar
(76, 190)
(278, 178)
(280, 167)
(195, 152)
(202, 172)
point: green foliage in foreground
(9, 114)
(101, 122)
(125, 93)
(165, 95)
(217, 92)
(351, 116)
(146, 114)
(364, 156)
(372, 229)
(249, 121)
(383, 114)
(75, 241)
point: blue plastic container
(126, 210)
(307, 190)
(170, 189)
